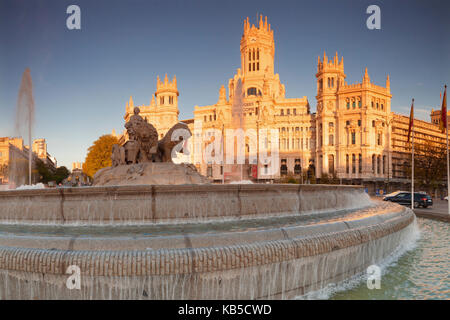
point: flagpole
(448, 169)
(223, 155)
(412, 167)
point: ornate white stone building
(354, 136)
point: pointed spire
(336, 59)
(152, 103)
(265, 24)
(130, 103)
(342, 63)
(174, 81)
(366, 76)
(388, 83)
(222, 95)
(166, 80)
(325, 59)
(158, 82)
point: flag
(411, 119)
(443, 124)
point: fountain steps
(324, 258)
(192, 236)
(273, 241)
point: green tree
(44, 173)
(61, 174)
(99, 154)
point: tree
(61, 174)
(429, 166)
(99, 155)
(45, 175)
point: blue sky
(83, 78)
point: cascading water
(257, 254)
(24, 123)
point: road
(439, 210)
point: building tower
(166, 109)
(257, 62)
(162, 112)
(257, 49)
(330, 76)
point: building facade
(14, 157)
(353, 136)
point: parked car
(404, 198)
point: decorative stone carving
(144, 160)
(143, 144)
(118, 155)
(176, 136)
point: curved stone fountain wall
(283, 255)
(172, 203)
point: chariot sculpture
(143, 144)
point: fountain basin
(174, 203)
(252, 255)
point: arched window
(353, 163)
(297, 167)
(330, 164)
(347, 167)
(373, 163)
(360, 164)
(331, 140)
(379, 164)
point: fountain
(23, 125)
(140, 234)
